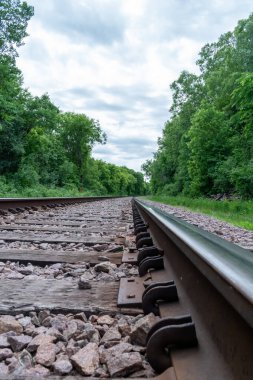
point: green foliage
(43, 151)
(207, 145)
(14, 16)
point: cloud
(99, 21)
(114, 60)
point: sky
(114, 61)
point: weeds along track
(113, 288)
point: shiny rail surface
(214, 285)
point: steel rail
(214, 279)
(13, 203)
(233, 263)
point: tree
(79, 133)
(208, 145)
(14, 16)
(12, 123)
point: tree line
(207, 144)
(39, 144)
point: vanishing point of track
(98, 258)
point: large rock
(25, 321)
(59, 323)
(71, 330)
(141, 328)
(62, 366)
(105, 267)
(3, 370)
(90, 333)
(105, 320)
(124, 327)
(124, 364)
(86, 360)
(39, 340)
(37, 372)
(15, 276)
(4, 341)
(5, 353)
(19, 342)
(9, 323)
(112, 334)
(83, 283)
(25, 359)
(46, 354)
(118, 349)
(26, 270)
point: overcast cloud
(115, 59)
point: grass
(42, 191)
(236, 212)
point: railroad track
(95, 289)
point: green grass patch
(236, 212)
(41, 191)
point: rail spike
(155, 262)
(140, 228)
(166, 334)
(158, 291)
(148, 252)
(146, 241)
(141, 235)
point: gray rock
(56, 333)
(5, 353)
(37, 372)
(25, 359)
(40, 330)
(91, 333)
(112, 334)
(117, 248)
(19, 342)
(59, 323)
(13, 363)
(105, 277)
(62, 366)
(9, 323)
(141, 328)
(81, 316)
(39, 340)
(105, 320)
(124, 327)
(26, 270)
(4, 370)
(100, 247)
(118, 349)
(86, 360)
(4, 341)
(72, 348)
(103, 258)
(124, 364)
(47, 321)
(34, 318)
(44, 246)
(46, 354)
(105, 267)
(83, 283)
(71, 329)
(25, 321)
(15, 276)
(43, 314)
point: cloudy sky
(115, 59)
